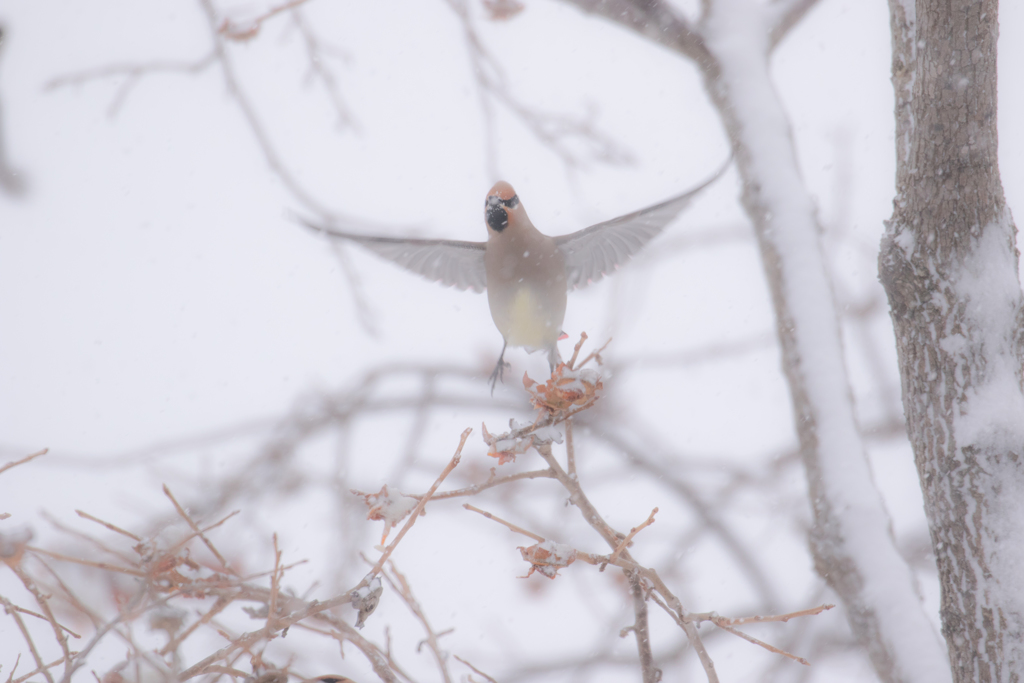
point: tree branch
(653, 19)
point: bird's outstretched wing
(450, 262)
(594, 252)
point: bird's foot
(499, 373)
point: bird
(525, 273)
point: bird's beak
(496, 214)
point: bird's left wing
(594, 252)
(451, 262)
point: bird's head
(502, 207)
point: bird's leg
(554, 357)
(499, 369)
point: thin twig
(15, 463)
(116, 529)
(570, 449)
(755, 641)
(199, 532)
(37, 615)
(176, 641)
(236, 31)
(629, 537)
(17, 660)
(553, 131)
(475, 670)
(317, 68)
(417, 510)
(612, 538)
(759, 619)
(87, 563)
(576, 350)
(124, 557)
(40, 667)
(642, 630)
(510, 525)
(784, 15)
(595, 354)
(490, 483)
(69, 594)
(275, 587)
(132, 74)
(401, 586)
(30, 674)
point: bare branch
(418, 509)
(15, 463)
(551, 130)
(755, 641)
(783, 15)
(401, 586)
(475, 670)
(238, 31)
(492, 482)
(40, 667)
(44, 605)
(198, 532)
(319, 70)
(116, 529)
(653, 19)
(510, 525)
(629, 537)
(760, 619)
(132, 74)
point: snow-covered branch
(852, 538)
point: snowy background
(161, 311)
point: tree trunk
(949, 266)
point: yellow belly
(529, 323)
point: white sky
(152, 285)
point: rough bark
(949, 266)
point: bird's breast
(526, 289)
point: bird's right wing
(451, 262)
(594, 252)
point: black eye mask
(496, 213)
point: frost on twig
(391, 507)
(506, 446)
(548, 557)
(568, 388)
(366, 598)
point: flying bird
(526, 273)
